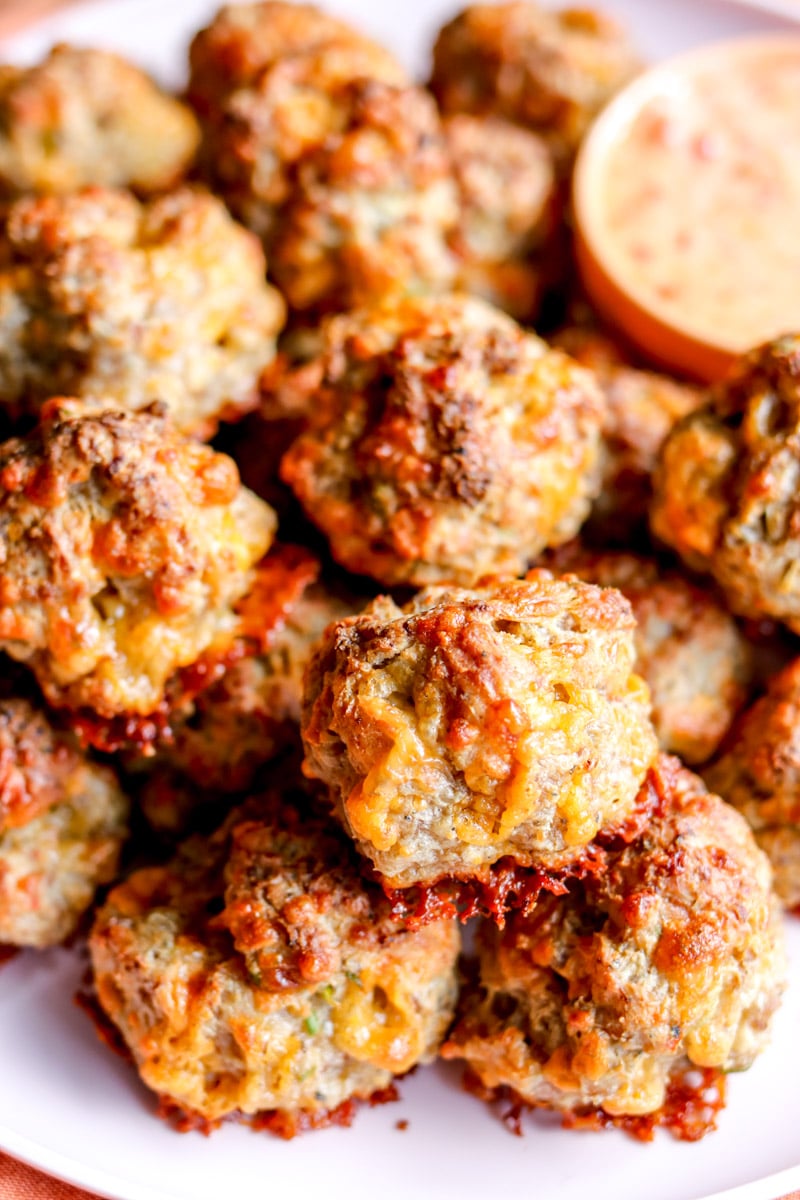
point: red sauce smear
(694, 1099)
(7, 953)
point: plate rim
(77, 1172)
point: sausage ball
(222, 735)
(444, 443)
(245, 39)
(759, 774)
(62, 824)
(549, 71)
(689, 650)
(473, 725)
(372, 207)
(726, 493)
(301, 993)
(84, 117)
(256, 137)
(124, 550)
(123, 304)
(670, 958)
(507, 211)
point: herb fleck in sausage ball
(84, 117)
(300, 994)
(549, 71)
(689, 649)
(472, 725)
(444, 443)
(124, 550)
(726, 493)
(670, 958)
(124, 304)
(507, 211)
(372, 206)
(642, 409)
(257, 136)
(759, 774)
(62, 824)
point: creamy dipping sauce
(699, 216)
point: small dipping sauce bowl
(686, 197)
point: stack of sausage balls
(399, 649)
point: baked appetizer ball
(726, 493)
(689, 650)
(444, 443)
(124, 549)
(670, 958)
(245, 39)
(472, 725)
(759, 774)
(62, 824)
(123, 303)
(84, 117)
(507, 210)
(372, 207)
(256, 137)
(550, 71)
(642, 407)
(221, 736)
(299, 993)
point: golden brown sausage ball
(444, 443)
(245, 39)
(507, 211)
(689, 650)
(84, 117)
(549, 71)
(259, 134)
(726, 493)
(472, 725)
(301, 993)
(372, 206)
(642, 409)
(759, 774)
(124, 550)
(62, 824)
(123, 304)
(671, 957)
(227, 731)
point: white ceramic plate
(70, 1107)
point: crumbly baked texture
(84, 116)
(549, 71)
(245, 39)
(63, 820)
(759, 774)
(472, 725)
(642, 408)
(726, 493)
(671, 957)
(221, 736)
(444, 443)
(256, 136)
(372, 207)
(124, 304)
(689, 650)
(299, 993)
(508, 210)
(124, 549)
